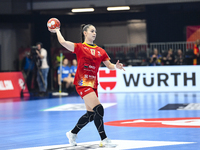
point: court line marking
(121, 145)
(74, 107)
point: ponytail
(82, 35)
(84, 28)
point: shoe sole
(108, 145)
(67, 134)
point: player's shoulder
(78, 44)
(101, 49)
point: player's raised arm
(67, 44)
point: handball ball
(53, 23)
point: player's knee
(99, 111)
(89, 115)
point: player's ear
(84, 33)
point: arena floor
(149, 121)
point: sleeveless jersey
(89, 59)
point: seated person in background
(155, 59)
(196, 52)
(179, 57)
(73, 67)
(64, 74)
(169, 58)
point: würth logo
(161, 78)
(107, 76)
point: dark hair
(64, 59)
(40, 43)
(84, 28)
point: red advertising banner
(193, 33)
(11, 84)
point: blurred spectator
(28, 69)
(155, 59)
(73, 67)
(168, 59)
(196, 52)
(179, 58)
(64, 74)
(43, 68)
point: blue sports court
(41, 124)
(153, 105)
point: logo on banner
(160, 78)
(11, 84)
(21, 84)
(158, 123)
(6, 85)
(108, 84)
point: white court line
(121, 145)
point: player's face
(91, 33)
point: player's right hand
(54, 30)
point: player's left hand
(119, 65)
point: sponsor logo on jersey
(86, 76)
(99, 54)
(158, 123)
(92, 67)
(87, 90)
(86, 65)
(80, 82)
(92, 51)
(92, 77)
(86, 48)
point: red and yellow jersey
(89, 59)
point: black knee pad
(99, 111)
(89, 115)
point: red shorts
(84, 90)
